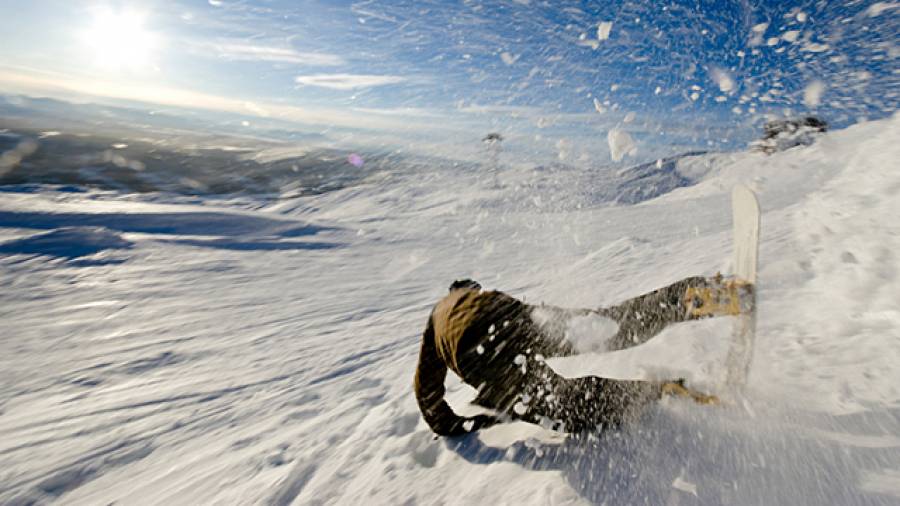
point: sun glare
(118, 40)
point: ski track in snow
(196, 354)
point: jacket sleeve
(429, 386)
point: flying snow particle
(520, 408)
(801, 17)
(878, 7)
(508, 58)
(519, 360)
(790, 36)
(684, 486)
(355, 160)
(772, 41)
(815, 47)
(723, 79)
(598, 106)
(620, 144)
(695, 96)
(812, 94)
(756, 37)
(9, 160)
(657, 91)
(491, 329)
(479, 349)
(629, 117)
(603, 30)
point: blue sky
(554, 76)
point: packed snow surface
(163, 350)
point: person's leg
(647, 315)
(581, 404)
(517, 381)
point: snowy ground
(201, 353)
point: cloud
(67, 86)
(347, 81)
(249, 52)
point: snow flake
(723, 79)
(879, 7)
(519, 360)
(492, 329)
(620, 144)
(520, 408)
(684, 486)
(479, 349)
(603, 30)
(790, 36)
(812, 94)
(508, 58)
(815, 47)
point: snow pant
(509, 370)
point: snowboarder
(495, 343)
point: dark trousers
(508, 366)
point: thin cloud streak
(20, 80)
(347, 81)
(250, 52)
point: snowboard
(745, 222)
(736, 295)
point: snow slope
(196, 353)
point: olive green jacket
(456, 324)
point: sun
(118, 40)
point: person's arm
(429, 387)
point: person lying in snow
(499, 344)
